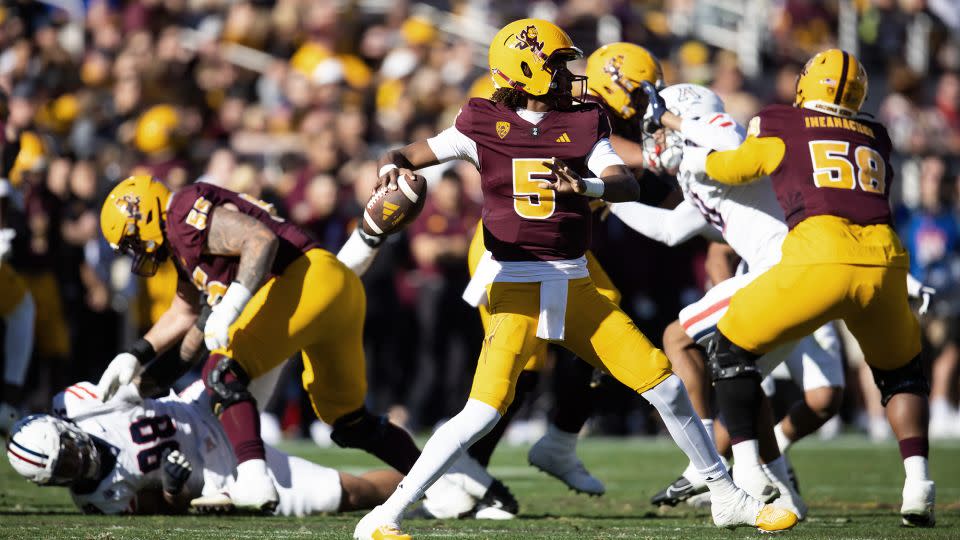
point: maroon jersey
(521, 221)
(186, 231)
(832, 166)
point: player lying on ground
(534, 145)
(153, 456)
(752, 223)
(284, 295)
(841, 259)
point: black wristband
(369, 239)
(143, 350)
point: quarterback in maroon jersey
(543, 156)
(273, 292)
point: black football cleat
(497, 503)
(678, 491)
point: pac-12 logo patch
(502, 129)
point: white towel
(486, 271)
(553, 277)
(553, 309)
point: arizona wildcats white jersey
(140, 432)
(749, 217)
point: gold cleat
(389, 532)
(774, 519)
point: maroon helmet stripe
(843, 78)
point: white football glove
(926, 295)
(119, 373)
(216, 333)
(6, 237)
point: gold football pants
(597, 330)
(788, 302)
(538, 359)
(316, 306)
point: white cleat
(756, 483)
(918, 500)
(444, 500)
(742, 510)
(218, 503)
(563, 464)
(254, 489)
(374, 526)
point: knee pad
(358, 429)
(908, 379)
(729, 361)
(227, 382)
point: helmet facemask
(663, 151)
(78, 460)
(147, 255)
(562, 81)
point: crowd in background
(292, 101)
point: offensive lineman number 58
(832, 169)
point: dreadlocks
(511, 97)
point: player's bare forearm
(173, 324)
(721, 262)
(630, 151)
(411, 157)
(234, 233)
(619, 184)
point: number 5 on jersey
(832, 169)
(531, 201)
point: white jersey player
(131, 440)
(751, 221)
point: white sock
(777, 471)
(916, 468)
(252, 467)
(746, 454)
(356, 254)
(690, 473)
(18, 343)
(444, 447)
(783, 442)
(559, 438)
(672, 402)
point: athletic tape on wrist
(594, 187)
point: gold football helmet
(156, 129)
(832, 82)
(614, 74)
(132, 221)
(525, 55)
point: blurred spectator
(932, 236)
(449, 339)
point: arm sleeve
(720, 132)
(670, 227)
(756, 157)
(601, 156)
(452, 144)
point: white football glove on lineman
(120, 372)
(6, 237)
(926, 294)
(216, 333)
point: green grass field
(852, 486)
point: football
(389, 211)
